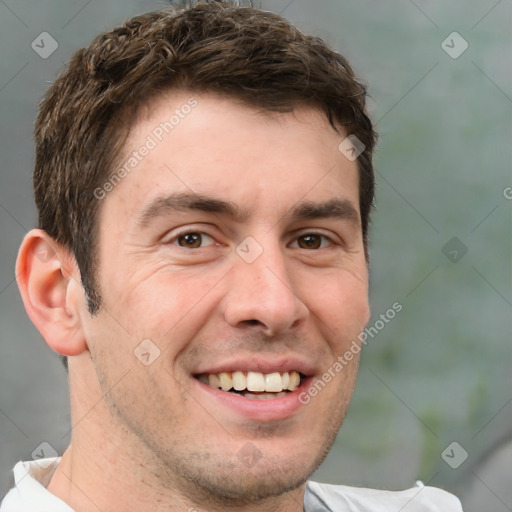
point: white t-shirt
(31, 479)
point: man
(204, 182)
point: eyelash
(174, 239)
(322, 236)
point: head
(236, 241)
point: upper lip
(252, 363)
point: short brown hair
(254, 56)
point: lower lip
(273, 409)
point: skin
(147, 437)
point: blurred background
(434, 395)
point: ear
(52, 295)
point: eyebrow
(337, 208)
(189, 201)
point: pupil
(190, 240)
(310, 241)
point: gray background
(440, 371)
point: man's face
(234, 245)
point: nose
(261, 295)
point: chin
(243, 485)
(238, 481)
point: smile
(254, 385)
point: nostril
(252, 322)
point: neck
(90, 485)
(107, 468)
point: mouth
(254, 385)
(259, 388)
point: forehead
(215, 146)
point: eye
(193, 240)
(311, 241)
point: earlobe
(50, 289)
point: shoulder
(323, 497)
(29, 492)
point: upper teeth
(253, 381)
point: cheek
(170, 307)
(340, 302)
